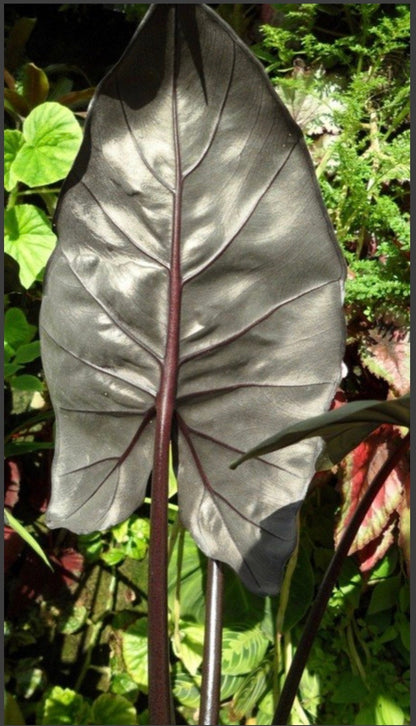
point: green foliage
(49, 127)
(349, 89)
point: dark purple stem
(211, 668)
(317, 611)
(160, 695)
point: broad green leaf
(64, 706)
(186, 688)
(191, 646)
(242, 650)
(342, 429)
(134, 647)
(17, 330)
(192, 581)
(24, 534)
(111, 708)
(251, 690)
(13, 141)
(388, 712)
(28, 239)
(52, 139)
(28, 352)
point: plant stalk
(211, 669)
(318, 608)
(161, 711)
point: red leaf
(11, 483)
(404, 522)
(375, 533)
(386, 353)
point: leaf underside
(189, 152)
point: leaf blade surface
(189, 152)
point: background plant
(76, 638)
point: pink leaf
(375, 534)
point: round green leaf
(13, 141)
(64, 706)
(52, 139)
(110, 708)
(28, 239)
(17, 330)
(134, 646)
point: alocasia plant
(195, 296)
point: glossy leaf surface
(193, 199)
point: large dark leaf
(193, 200)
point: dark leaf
(193, 199)
(342, 429)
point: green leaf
(69, 624)
(186, 688)
(10, 369)
(384, 595)
(18, 448)
(134, 647)
(13, 141)
(17, 330)
(191, 646)
(242, 650)
(52, 139)
(301, 591)
(24, 534)
(28, 352)
(12, 713)
(251, 690)
(26, 382)
(28, 239)
(113, 557)
(388, 712)
(342, 429)
(122, 684)
(192, 581)
(111, 708)
(64, 706)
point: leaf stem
(318, 608)
(211, 669)
(160, 693)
